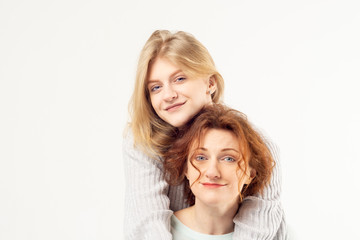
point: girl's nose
(169, 93)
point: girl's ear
(212, 84)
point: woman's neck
(210, 220)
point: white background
(67, 71)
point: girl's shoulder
(129, 148)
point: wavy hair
(182, 49)
(254, 150)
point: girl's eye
(154, 88)
(180, 79)
(229, 159)
(200, 158)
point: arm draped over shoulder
(262, 216)
(147, 213)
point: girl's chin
(178, 123)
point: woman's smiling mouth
(213, 185)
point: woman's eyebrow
(222, 150)
(229, 149)
(202, 148)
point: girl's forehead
(162, 63)
(161, 68)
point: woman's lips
(174, 107)
(212, 185)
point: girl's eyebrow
(171, 76)
(175, 73)
(151, 81)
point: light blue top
(181, 232)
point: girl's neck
(209, 220)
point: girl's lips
(174, 107)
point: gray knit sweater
(150, 202)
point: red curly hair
(254, 150)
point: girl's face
(175, 97)
(216, 157)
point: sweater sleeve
(147, 213)
(261, 216)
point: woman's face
(175, 97)
(216, 157)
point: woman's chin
(213, 202)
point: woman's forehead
(215, 138)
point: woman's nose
(213, 171)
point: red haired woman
(220, 159)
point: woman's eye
(229, 159)
(200, 158)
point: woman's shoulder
(182, 214)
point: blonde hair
(150, 132)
